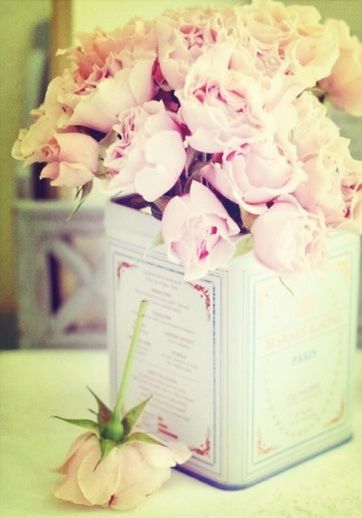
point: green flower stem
(129, 361)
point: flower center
(206, 242)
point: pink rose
(322, 188)
(228, 102)
(287, 238)
(263, 171)
(344, 84)
(271, 22)
(104, 65)
(101, 55)
(222, 108)
(49, 117)
(148, 153)
(182, 38)
(123, 479)
(313, 130)
(296, 37)
(334, 178)
(92, 51)
(334, 185)
(72, 160)
(351, 188)
(90, 56)
(129, 87)
(197, 230)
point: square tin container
(251, 370)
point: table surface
(39, 383)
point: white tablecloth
(37, 384)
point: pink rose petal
(193, 227)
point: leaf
(83, 423)
(109, 139)
(156, 241)
(78, 193)
(190, 157)
(155, 211)
(143, 437)
(82, 194)
(247, 218)
(104, 414)
(194, 175)
(103, 145)
(244, 246)
(131, 417)
(161, 203)
(86, 189)
(286, 286)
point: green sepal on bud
(104, 414)
(130, 419)
(142, 437)
(83, 423)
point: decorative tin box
(251, 370)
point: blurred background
(51, 274)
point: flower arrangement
(215, 118)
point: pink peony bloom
(104, 65)
(263, 171)
(313, 130)
(89, 58)
(129, 87)
(49, 117)
(351, 187)
(123, 479)
(334, 179)
(223, 108)
(72, 160)
(344, 84)
(293, 37)
(287, 238)
(183, 37)
(197, 230)
(148, 153)
(228, 102)
(101, 55)
(334, 185)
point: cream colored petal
(181, 453)
(63, 468)
(155, 455)
(98, 479)
(69, 489)
(153, 479)
(131, 466)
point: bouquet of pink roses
(214, 117)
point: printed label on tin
(176, 358)
(300, 358)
